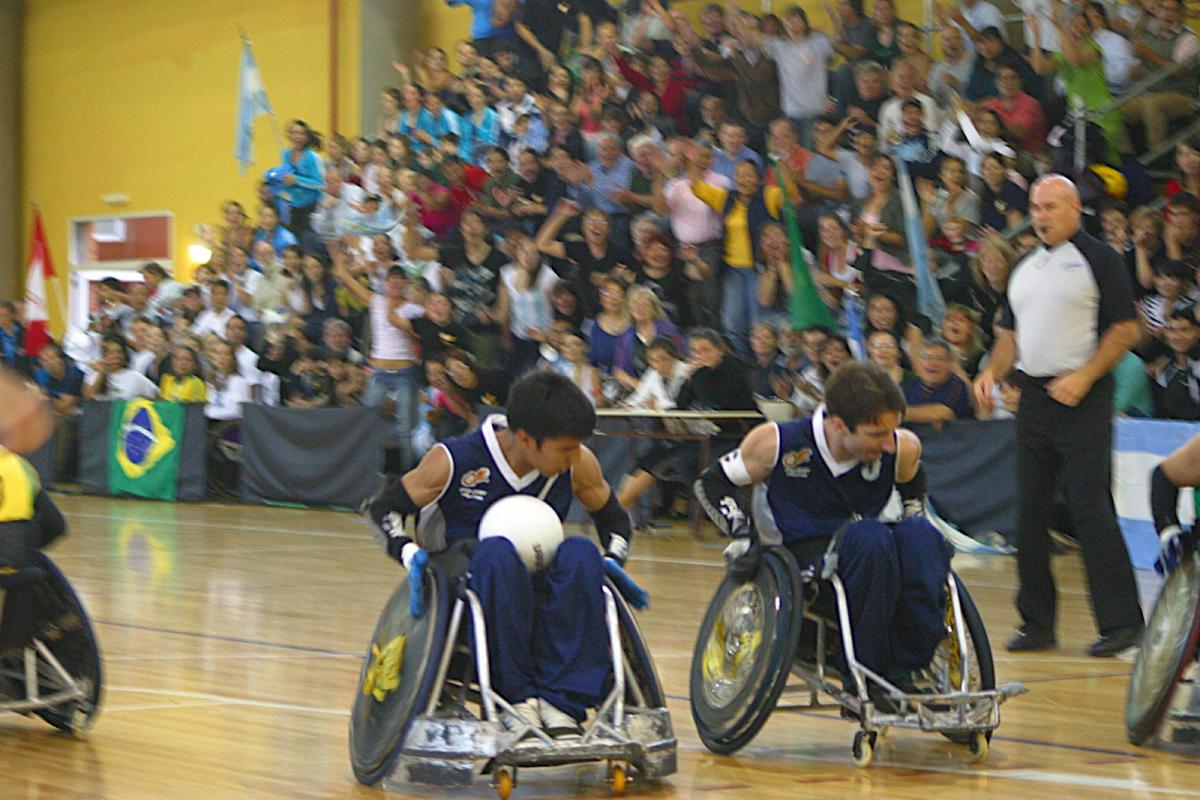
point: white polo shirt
(1061, 300)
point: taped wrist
(1164, 500)
(717, 493)
(612, 520)
(388, 511)
(914, 492)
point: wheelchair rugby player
(549, 636)
(810, 555)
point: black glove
(743, 556)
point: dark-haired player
(836, 469)
(550, 655)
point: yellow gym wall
(139, 97)
(442, 25)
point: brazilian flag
(143, 448)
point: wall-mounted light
(198, 254)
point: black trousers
(1056, 442)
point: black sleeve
(1005, 320)
(1108, 269)
(50, 521)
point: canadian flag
(41, 269)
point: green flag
(806, 307)
(143, 448)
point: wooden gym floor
(231, 638)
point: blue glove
(416, 583)
(635, 595)
(1173, 542)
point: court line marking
(235, 639)
(221, 525)
(1031, 775)
(219, 699)
(165, 706)
(234, 657)
(280, 549)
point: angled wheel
(397, 677)
(66, 631)
(1168, 648)
(944, 674)
(744, 652)
(643, 685)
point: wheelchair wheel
(642, 686)
(224, 459)
(64, 628)
(945, 670)
(1168, 648)
(397, 677)
(744, 652)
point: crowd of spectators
(595, 190)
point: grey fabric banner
(193, 455)
(42, 460)
(323, 456)
(972, 468)
(93, 448)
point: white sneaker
(559, 724)
(527, 714)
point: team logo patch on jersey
(794, 462)
(470, 481)
(476, 476)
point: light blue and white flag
(1139, 445)
(930, 302)
(252, 102)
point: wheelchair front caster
(864, 748)
(618, 777)
(978, 746)
(504, 782)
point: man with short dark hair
(214, 318)
(1176, 384)
(547, 641)
(829, 476)
(1069, 318)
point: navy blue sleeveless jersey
(479, 476)
(810, 494)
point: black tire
(983, 676)
(637, 656)
(378, 726)
(727, 719)
(1168, 648)
(68, 633)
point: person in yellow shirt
(745, 209)
(182, 383)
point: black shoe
(1027, 640)
(1116, 642)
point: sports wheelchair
(49, 659)
(759, 632)
(1167, 660)
(426, 713)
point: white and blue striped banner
(1138, 446)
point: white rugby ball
(530, 524)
